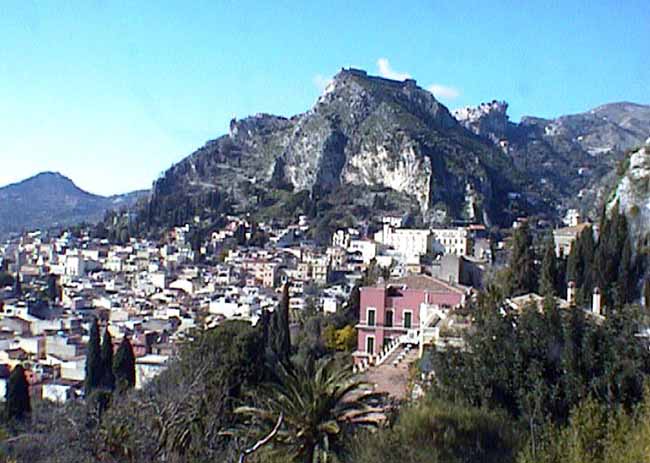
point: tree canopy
(124, 366)
(17, 401)
(94, 365)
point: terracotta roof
(425, 282)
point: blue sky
(112, 93)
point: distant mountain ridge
(49, 199)
(567, 157)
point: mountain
(368, 145)
(50, 199)
(565, 158)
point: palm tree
(315, 404)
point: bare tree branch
(264, 441)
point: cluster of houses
(158, 293)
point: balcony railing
(381, 325)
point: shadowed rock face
(364, 131)
(50, 200)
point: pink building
(389, 311)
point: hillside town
(158, 294)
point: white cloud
(321, 82)
(383, 65)
(443, 91)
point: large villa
(404, 311)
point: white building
(395, 221)
(564, 238)
(148, 367)
(158, 280)
(452, 241)
(75, 266)
(330, 304)
(367, 248)
(409, 242)
(56, 392)
(183, 285)
(62, 348)
(342, 238)
(244, 305)
(572, 218)
(74, 369)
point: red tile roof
(425, 282)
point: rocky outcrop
(396, 165)
(632, 193)
(362, 131)
(489, 120)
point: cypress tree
(17, 404)
(108, 380)
(94, 372)
(124, 366)
(279, 334)
(522, 263)
(572, 264)
(613, 243)
(274, 343)
(549, 271)
(560, 283)
(18, 286)
(286, 333)
(626, 275)
(586, 252)
(53, 290)
(600, 269)
(354, 306)
(614, 269)
(265, 326)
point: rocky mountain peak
(365, 133)
(355, 91)
(489, 120)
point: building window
(389, 318)
(371, 317)
(408, 319)
(370, 345)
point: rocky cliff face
(632, 192)
(364, 132)
(489, 120)
(368, 131)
